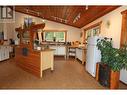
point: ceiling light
(38, 14)
(27, 10)
(43, 20)
(86, 7)
(77, 18)
(59, 19)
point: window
(56, 36)
(49, 36)
(60, 36)
(93, 30)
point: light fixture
(27, 10)
(59, 19)
(31, 11)
(43, 20)
(86, 7)
(77, 18)
(38, 14)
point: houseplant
(115, 58)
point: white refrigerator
(93, 55)
(123, 76)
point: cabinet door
(6, 52)
(0, 53)
(79, 54)
(61, 50)
(55, 49)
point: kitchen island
(27, 54)
(34, 61)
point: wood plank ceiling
(76, 16)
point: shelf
(33, 27)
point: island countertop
(45, 50)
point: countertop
(45, 50)
(76, 46)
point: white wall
(1, 27)
(8, 29)
(114, 30)
(73, 33)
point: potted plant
(115, 58)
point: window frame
(65, 33)
(92, 27)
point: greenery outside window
(60, 36)
(49, 36)
(54, 36)
(93, 30)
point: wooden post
(97, 71)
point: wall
(8, 29)
(114, 30)
(73, 33)
(1, 27)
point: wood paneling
(67, 12)
(30, 63)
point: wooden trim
(94, 25)
(55, 30)
(124, 12)
(123, 38)
(97, 71)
